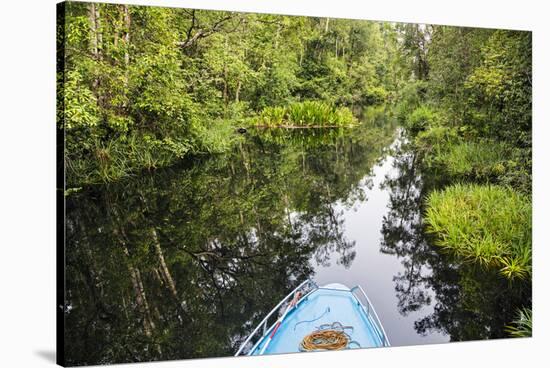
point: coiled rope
(328, 337)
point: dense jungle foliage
(144, 86)
(468, 111)
(141, 88)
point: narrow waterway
(388, 278)
(184, 262)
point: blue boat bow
(333, 306)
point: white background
(27, 185)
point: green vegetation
(468, 112)
(476, 160)
(307, 113)
(522, 326)
(141, 87)
(421, 119)
(488, 224)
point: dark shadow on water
(48, 355)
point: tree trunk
(95, 44)
(163, 267)
(93, 27)
(238, 90)
(126, 38)
(225, 77)
(326, 25)
(141, 298)
(225, 86)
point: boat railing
(371, 312)
(264, 326)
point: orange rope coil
(329, 336)
(325, 340)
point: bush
(421, 119)
(273, 115)
(436, 139)
(488, 224)
(410, 97)
(375, 96)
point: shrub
(273, 115)
(436, 139)
(410, 97)
(421, 119)
(375, 95)
(488, 224)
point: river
(183, 262)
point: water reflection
(402, 229)
(469, 303)
(183, 262)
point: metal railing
(263, 324)
(371, 313)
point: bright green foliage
(468, 110)
(421, 118)
(522, 326)
(273, 116)
(500, 87)
(436, 139)
(487, 224)
(173, 82)
(307, 113)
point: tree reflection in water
(184, 262)
(469, 302)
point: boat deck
(323, 306)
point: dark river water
(184, 262)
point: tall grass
(307, 113)
(124, 156)
(522, 326)
(436, 141)
(479, 159)
(273, 116)
(488, 224)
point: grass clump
(476, 160)
(485, 223)
(273, 116)
(307, 113)
(522, 326)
